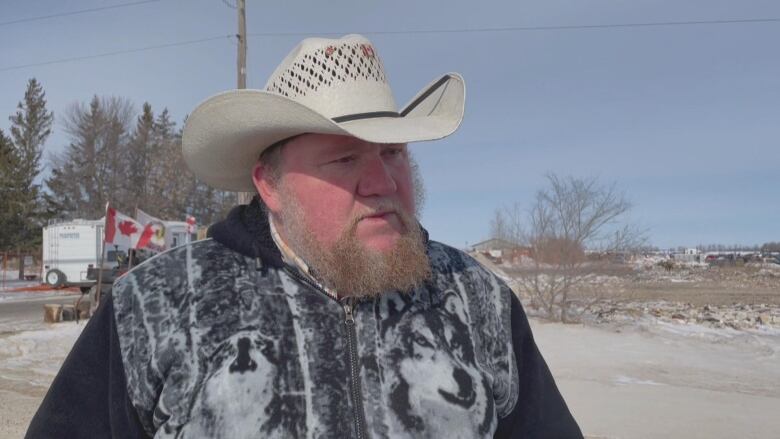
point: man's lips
(389, 218)
(383, 222)
(379, 215)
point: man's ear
(267, 189)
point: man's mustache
(383, 207)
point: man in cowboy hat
(321, 309)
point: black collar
(246, 231)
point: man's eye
(393, 151)
(345, 159)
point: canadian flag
(153, 236)
(191, 224)
(121, 229)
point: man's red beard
(351, 269)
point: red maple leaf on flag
(110, 224)
(127, 228)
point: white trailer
(176, 233)
(70, 248)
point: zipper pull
(348, 311)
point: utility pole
(241, 43)
(243, 197)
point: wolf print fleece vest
(216, 345)
(221, 339)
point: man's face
(338, 179)
(347, 207)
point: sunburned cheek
(326, 216)
(324, 227)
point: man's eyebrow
(351, 147)
(341, 148)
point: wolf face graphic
(434, 385)
(242, 396)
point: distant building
(688, 255)
(501, 251)
(492, 244)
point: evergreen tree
(142, 167)
(162, 176)
(7, 162)
(30, 127)
(8, 193)
(140, 154)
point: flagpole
(190, 227)
(130, 249)
(100, 265)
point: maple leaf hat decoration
(328, 86)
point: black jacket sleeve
(88, 398)
(540, 411)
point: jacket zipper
(294, 273)
(349, 322)
(357, 398)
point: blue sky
(684, 119)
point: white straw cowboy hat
(329, 86)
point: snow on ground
(35, 356)
(647, 379)
(29, 360)
(665, 380)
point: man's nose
(376, 178)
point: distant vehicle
(107, 279)
(71, 248)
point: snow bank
(34, 357)
(659, 380)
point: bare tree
(567, 217)
(770, 247)
(498, 226)
(91, 170)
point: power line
(413, 31)
(81, 11)
(531, 28)
(117, 52)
